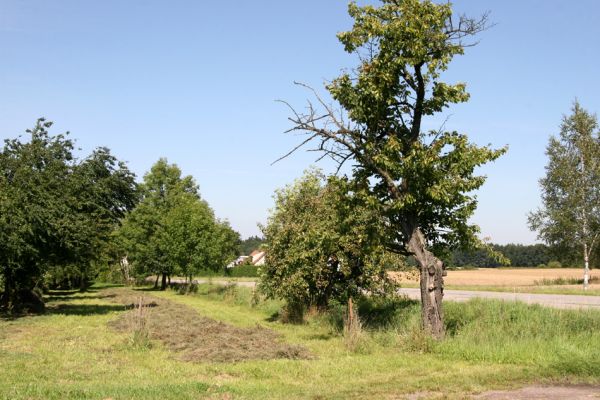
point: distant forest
(518, 254)
(250, 244)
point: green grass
(71, 353)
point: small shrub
(230, 292)
(417, 340)
(554, 264)
(255, 299)
(292, 313)
(185, 287)
(243, 271)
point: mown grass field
(72, 353)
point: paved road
(549, 300)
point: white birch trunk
(586, 268)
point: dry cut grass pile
(197, 338)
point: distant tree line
(65, 221)
(250, 244)
(519, 255)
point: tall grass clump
(354, 338)
(138, 322)
(558, 341)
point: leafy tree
(420, 183)
(195, 240)
(320, 245)
(55, 212)
(102, 190)
(569, 218)
(173, 230)
(32, 209)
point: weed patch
(565, 281)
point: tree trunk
(586, 268)
(156, 281)
(82, 283)
(169, 279)
(163, 284)
(432, 285)
(7, 295)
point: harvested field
(505, 276)
(197, 338)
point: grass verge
(71, 353)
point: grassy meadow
(73, 351)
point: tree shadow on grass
(319, 336)
(381, 313)
(62, 292)
(85, 309)
(148, 289)
(53, 298)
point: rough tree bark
(432, 274)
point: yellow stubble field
(504, 276)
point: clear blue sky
(195, 81)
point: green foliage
(519, 256)
(569, 219)
(419, 180)
(421, 184)
(174, 231)
(554, 264)
(321, 245)
(243, 271)
(250, 244)
(56, 213)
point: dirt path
(550, 300)
(544, 393)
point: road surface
(549, 300)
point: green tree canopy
(321, 245)
(55, 211)
(174, 231)
(420, 182)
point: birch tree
(569, 219)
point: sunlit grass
(71, 353)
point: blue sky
(196, 82)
